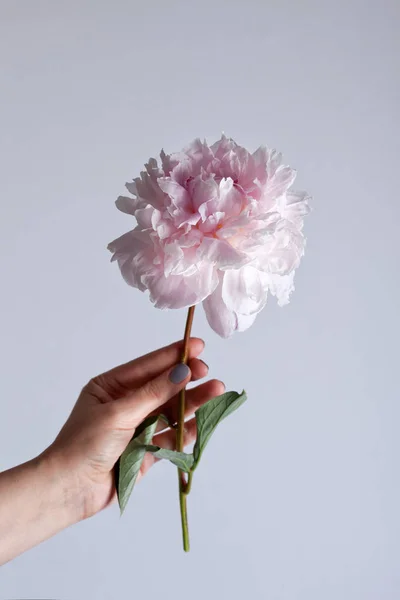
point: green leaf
(180, 459)
(130, 461)
(209, 415)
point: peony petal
(183, 171)
(132, 266)
(247, 167)
(125, 245)
(230, 198)
(173, 254)
(166, 163)
(230, 165)
(144, 216)
(153, 169)
(180, 291)
(149, 190)
(238, 164)
(175, 191)
(144, 235)
(199, 153)
(245, 321)
(202, 191)
(222, 320)
(188, 264)
(281, 251)
(281, 286)
(165, 229)
(260, 158)
(221, 254)
(296, 207)
(210, 224)
(222, 146)
(190, 239)
(245, 290)
(280, 182)
(131, 187)
(162, 223)
(274, 160)
(185, 218)
(133, 256)
(129, 205)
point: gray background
(298, 494)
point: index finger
(136, 372)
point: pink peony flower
(215, 224)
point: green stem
(184, 518)
(180, 436)
(188, 485)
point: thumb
(155, 392)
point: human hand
(109, 409)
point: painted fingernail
(179, 373)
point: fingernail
(179, 373)
(206, 365)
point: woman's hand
(73, 478)
(109, 409)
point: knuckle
(96, 390)
(105, 387)
(99, 381)
(153, 389)
(111, 386)
(89, 386)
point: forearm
(36, 501)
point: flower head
(215, 224)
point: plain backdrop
(298, 494)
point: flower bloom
(217, 225)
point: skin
(72, 479)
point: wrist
(37, 500)
(64, 496)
